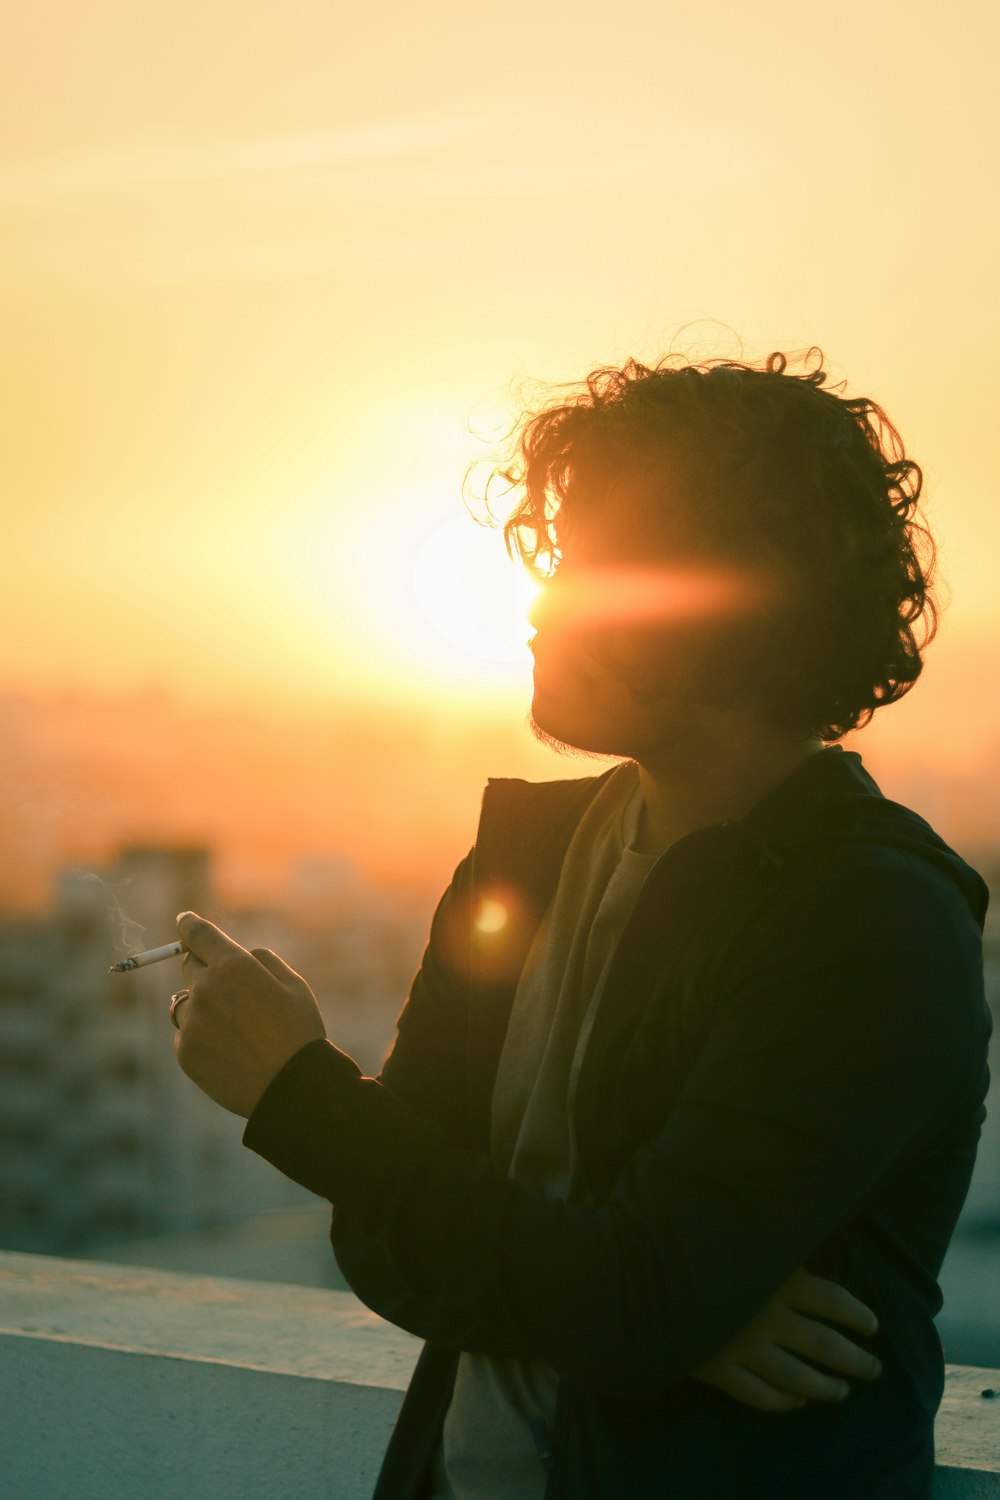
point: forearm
(372, 1273)
(482, 1259)
(469, 1261)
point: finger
(794, 1377)
(750, 1390)
(826, 1347)
(828, 1299)
(206, 942)
(275, 965)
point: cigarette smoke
(126, 934)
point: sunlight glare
(472, 594)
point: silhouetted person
(692, 1073)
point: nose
(537, 609)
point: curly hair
(763, 468)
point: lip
(562, 656)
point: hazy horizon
(393, 789)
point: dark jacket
(788, 1067)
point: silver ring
(176, 1000)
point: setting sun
(472, 594)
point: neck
(713, 772)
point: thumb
(276, 966)
(206, 941)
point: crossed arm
(249, 1014)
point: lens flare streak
(647, 595)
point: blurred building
(982, 1207)
(969, 1322)
(102, 1138)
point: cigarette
(151, 956)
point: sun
(472, 594)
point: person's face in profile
(593, 642)
(627, 638)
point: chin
(567, 734)
(551, 741)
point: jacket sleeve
(853, 1036)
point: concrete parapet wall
(118, 1382)
(86, 1423)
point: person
(684, 1103)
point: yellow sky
(262, 265)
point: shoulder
(874, 882)
(840, 850)
(851, 896)
(877, 941)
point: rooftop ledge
(116, 1382)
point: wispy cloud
(362, 198)
(160, 163)
(549, 173)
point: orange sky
(262, 267)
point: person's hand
(245, 1016)
(769, 1365)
